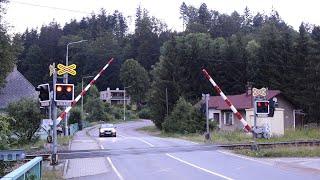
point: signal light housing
(44, 92)
(64, 92)
(262, 107)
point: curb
(65, 168)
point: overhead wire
(50, 7)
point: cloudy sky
(22, 14)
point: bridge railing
(30, 170)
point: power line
(50, 7)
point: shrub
(184, 119)
(75, 116)
(27, 118)
(4, 132)
(144, 113)
(109, 117)
(213, 124)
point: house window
(228, 118)
(216, 117)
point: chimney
(249, 89)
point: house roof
(241, 101)
(16, 88)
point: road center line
(243, 157)
(114, 169)
(195, 166)
(151, 145)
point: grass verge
(52, 174)
(313, 151)
(231, 137)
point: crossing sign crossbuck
(71, 69)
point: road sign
(62, 103)
(259, 92)
(45, 104)
(62, 69)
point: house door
(216, 117)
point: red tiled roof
(241, 101)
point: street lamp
(66, 81)
(83, 96)
(124, 101)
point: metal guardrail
(30, 170)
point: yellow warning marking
(67, 69)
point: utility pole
(206, 98)
(54, 156)
(124, 103)
(207, 113)
(65, 80)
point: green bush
(144, 113)
(4, 132)
(184, 119)
(109, 117)
(131, 115)
(117, 112)
(75, 116)
(213, 124)
(27, 118)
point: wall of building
(276, 123)
(236, 125)
(211, 115)
(288, 112)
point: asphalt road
(184, 165)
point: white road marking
(195, 166)
(65, 168)
(139, 139)
(151, 145)
(243, 157)
(115, 169)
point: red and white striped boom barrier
(83, 92)
(224, 97)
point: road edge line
(198, 167)
(115, 169)
(244, 157)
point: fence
(73, 128)
(30, 170)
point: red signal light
(59, 88)
(259, 104)
(69, 89)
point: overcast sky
(22, 14)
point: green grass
(52, 175)
(231, 137)
(39, 144)
(313, 151)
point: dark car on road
(107, 130)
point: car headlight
(113, 130)
(101, 131)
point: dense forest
(236, 49)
